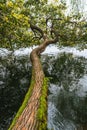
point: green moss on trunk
(42, 110)
(26, 99)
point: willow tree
(43, 23)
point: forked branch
(35, 28)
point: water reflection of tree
(16, 72)
(65, 69)
(72, 106)
(15, 78)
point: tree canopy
(24, 23)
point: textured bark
(28, 120)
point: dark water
(67, 99)
(15, 73)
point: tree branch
(35, 28)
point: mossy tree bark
(28, 119)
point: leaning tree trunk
(32, 114)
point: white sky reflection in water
(53, 50)
(50, 50)
(53, 112)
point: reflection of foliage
(67, 70)
(15, 78)
(64, 70)
(72, 106)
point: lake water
(67, 99)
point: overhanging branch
(34, 28)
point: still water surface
(67, 99)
